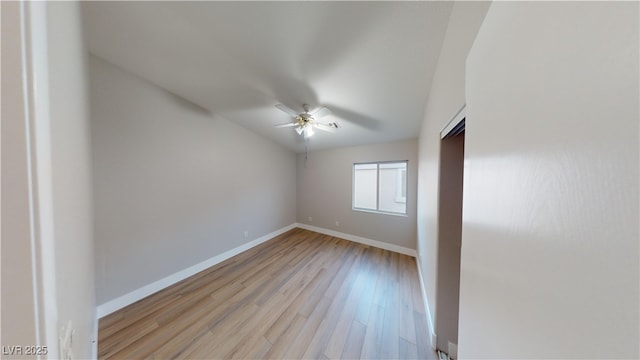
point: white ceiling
(371, 63)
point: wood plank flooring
(299, 295)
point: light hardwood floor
(299, 295)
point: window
(380, 187)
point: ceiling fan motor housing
(304, 118)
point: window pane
(364, 186)
(393, 187)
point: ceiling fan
(305, 121)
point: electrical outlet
(246, 234)
(337, 223)
(310, 219)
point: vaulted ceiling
(370, 63)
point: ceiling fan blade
(321, 112)
(325, 127)
(287, 109)
(286, 125)
(356, 118)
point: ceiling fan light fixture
(308, 130)
(305, 122)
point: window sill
(380, 212)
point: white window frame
(399, 197)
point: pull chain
(305, 151)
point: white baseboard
(138, 294)
(453, 350)
(361, 240)
(432, 330)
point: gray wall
(175, 185)
(324, 192)
(550, 248)
(445, 99)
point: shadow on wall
(185, 104)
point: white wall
(71, 175)
(445, 99)
(47, 256)
(17, 297)
(175, 185)
(324, 192)
(550, 222)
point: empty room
(320, 180)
